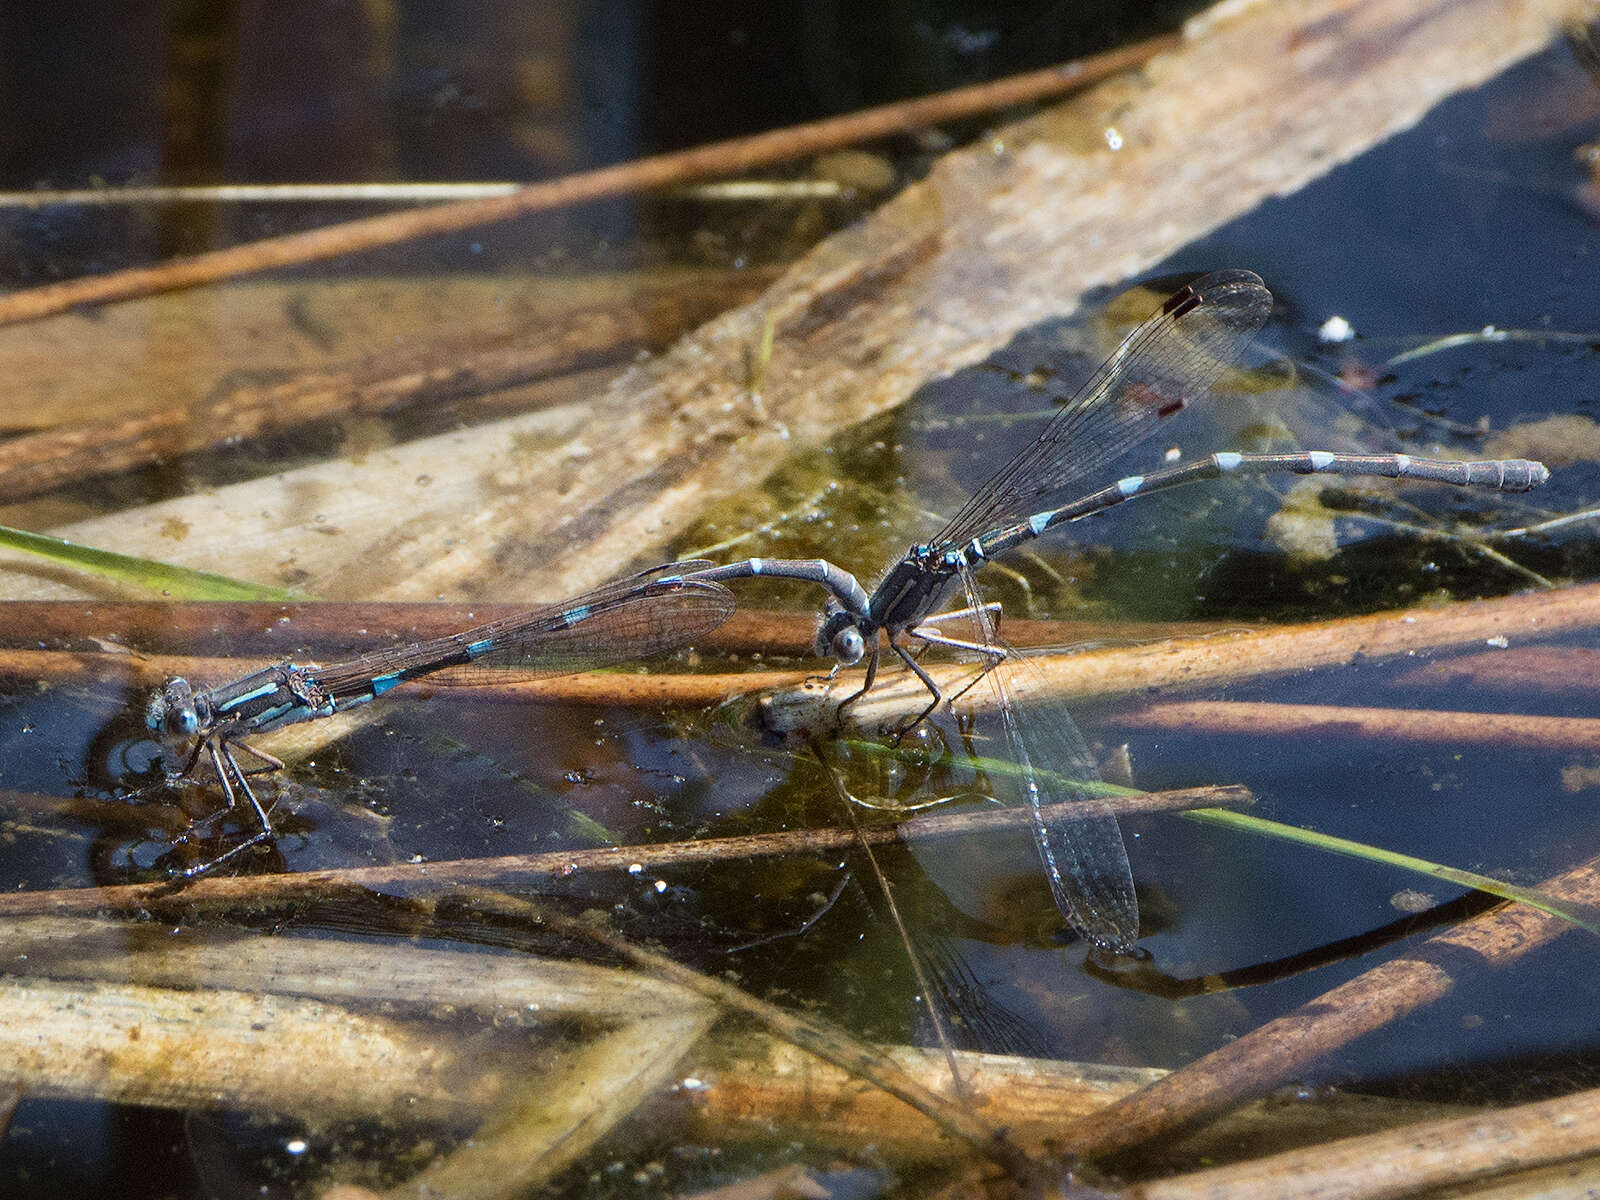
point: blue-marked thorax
(269, 699)
(916, 586)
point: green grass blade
(181, 583)
(1005, 768)
(1582, 915)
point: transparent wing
(1077, 835)
(636, 617)
(1168, 361)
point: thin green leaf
(1003, 767)
(1582, 915)
(181, 583)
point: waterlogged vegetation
(688, 925)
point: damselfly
(1164, 364)
(644, 614)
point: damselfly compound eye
(849, 645)
(172, 711)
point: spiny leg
(269, 762)
(182, 775)
(990, 608)
(866, 684)
(927, 682)
(239, 774)
(993, 655)
(233, 779)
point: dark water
(1480, 216)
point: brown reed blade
(660, 171)
(1278, 1051)
(427, 878)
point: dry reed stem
(1276, 1052)
(211, 957)
(417, 879)
(1406, 1161)
(220, 1016)
(552, 1121)
(663, 170)
(129, 1043)
(752, 1083)
(86, 962)
(267, 629)
(384, 384)
(1224, 657)
(1502, 731)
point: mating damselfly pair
(1165, 364)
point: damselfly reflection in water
(635, 617)
(1166, 363)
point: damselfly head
(839, 637)
(174, 716)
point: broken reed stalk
(37, 462)
(754, 1084)
(750, 1081)
(660, 171)
(1503, 731)
(264, 999)
(1223, 657)
(391, 973)
(1229, 657)
(299, 1026)
(550, 1121)
(424, 878)
(1280, 1050)
(263, 629)
(267, 628)
(622, 689)
(1410, 1159)
(136, 1044)
(472, 987)
(828, 1042)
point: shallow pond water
(361, 1032)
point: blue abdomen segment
(382, 683)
